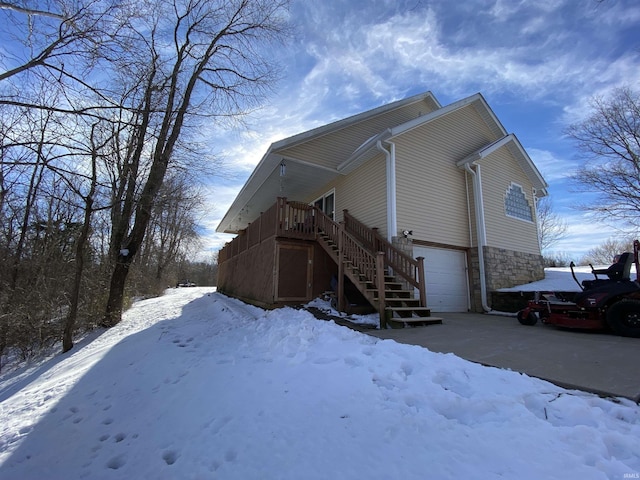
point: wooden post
(374, 239)
(380, 286)
(422, 282)
(340, 292)
(278, 216)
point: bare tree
(604, 253)
(551, 228)
(59, 30)
(143, 74)
(173, 225)
(83, 239)
(610, 142)
(216, 59)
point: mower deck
(612, 303)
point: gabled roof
(332, 127)
(263, 186)
(368, 149)
(521, 156)
(304, 175)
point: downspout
(480, 232)
(534, 195)
(392, 220)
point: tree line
(101, 108)
(607, 141)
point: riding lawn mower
(603, 303)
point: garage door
(447, 282)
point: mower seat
(619, 271)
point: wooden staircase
(368, 261)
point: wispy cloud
(548, 57)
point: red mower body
(611, 303)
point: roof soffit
(262, 176)
(369, 149)
(515, 148)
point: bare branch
(610, 142)
(30, 11)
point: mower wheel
(624, 318)
(530, 319)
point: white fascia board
(259, 175)
(521, 156)
(270, 160)
(337, 125)
(538, 181)
(368, 148)
(363, 153)
(418, 121)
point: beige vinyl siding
(332, 149)
(498, 171)
(430, 187)
(363, 192)
(471, 209)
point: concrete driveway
(594, 362)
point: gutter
(392, 219)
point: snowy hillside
(195, 385)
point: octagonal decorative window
(516, 203)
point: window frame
(322, 201)
(514, 215)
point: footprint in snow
(170, 457)
(116, 462)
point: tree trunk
(70, 323)
(113, 312)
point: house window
(326, 203)
(516, 203)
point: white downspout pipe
(480, 231)
(392, 219)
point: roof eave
(521, 155)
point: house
(444, 192)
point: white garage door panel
(446, 275)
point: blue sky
(536, 62)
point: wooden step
(409, 311)
(396, 322)
(403, 302)
(391, 294)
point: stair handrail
(370, 264)
(353, 251)
(407, 267)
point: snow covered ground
(194, 385)
(559, 279)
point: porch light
(283, 168)
(406, 233)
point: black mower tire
(623, 317)
(528, 320)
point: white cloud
(349, 57)
(551, 166)
(534, 53)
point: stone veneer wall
(503, 269)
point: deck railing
(409, 268)
(356, 242)
(283, 218)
